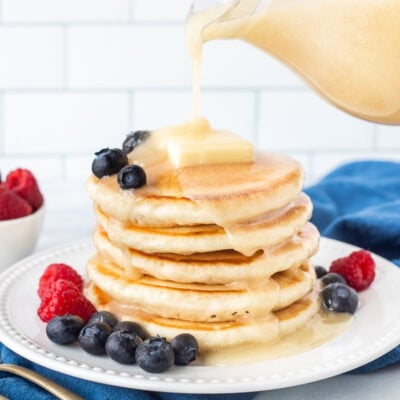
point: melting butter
(217, 147)
(195, 143)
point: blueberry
(93, 337)
(103, 316)
(185, 348)
(134, 139)
(64, 330)
(332, 277)
(131, 177)
(340, 298)
(121, 346)
(108, 162)
(128, 326)
(320, 271)
(155, 355)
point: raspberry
(24, 184)
(12, 206)
(55, 272)
(65, 298)
(358, 269)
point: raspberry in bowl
(21, 216)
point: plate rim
(23, 346)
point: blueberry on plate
(320, 271)
(64, 330)
(108, 162)
(155, 355)
(134, 139)
(121, 346)
(131, 177)
(103, 316)
(128, 326)
(185, 348)
(332, 277)
(340, 298)
(93, 338)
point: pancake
(221, 194)
(213, 335)
(219, 251)
(200, 302)
(257, 234)
(213, 267)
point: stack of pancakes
(220, 251)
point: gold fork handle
(52, 387)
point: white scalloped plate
(374, 331)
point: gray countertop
(69, 217)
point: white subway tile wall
(388, 137)
(31, 57)
(65, 10)
(63, 123)
(225, 109)
(76, 76)
(159, 10)
(127, 57)
(306, 122)
(235, 64)
(45, 167)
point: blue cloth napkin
(16, 388)
(358, 203)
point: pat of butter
(212, 147)
(197, 143)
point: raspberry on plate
(24, 184)
(65, 298)
(12, 206)
(55, 272)
(358, 269)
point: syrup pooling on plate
(378, 321)
(321, 329)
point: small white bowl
(18, 237)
